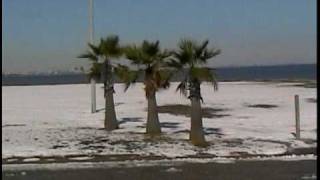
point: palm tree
(107, 49)
(148, 58)
(190, 59)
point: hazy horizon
(44, 35)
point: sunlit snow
(55, 120)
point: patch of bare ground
(298, 150)
(233, 142)
(79, 158)
(301, 83)
(13, 125)
(148, 141)
(125, 157)
(311, 100)
(307, 85)
(273, 141)
(184, 110)
(308, 140)
(207, 131)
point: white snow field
(55, 120)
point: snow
(31, 159)
(312, 176)
(81, 158)
(282, 158)
(12, 160)
(173, 170)
(55, 120)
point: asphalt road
(247, 170)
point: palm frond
(182, 87)
(95, 71)
(126, 75)
(163, 78)
(90, 56)
(186, 44)
(209, 53)
(174, 64)
(199, 49)
(214, 78)
(185, 54)
(110, 46)
(134, 54)
(204, 74)
(155, 79)
(95, 49)
(151, 61)
(150, 48)
(165, 54)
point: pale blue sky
(42, 35)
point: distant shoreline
(305, 83)
(279, 73)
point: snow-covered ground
(55, 120)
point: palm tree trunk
(196, 133)
(110, 122)
(153, 124)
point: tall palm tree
(107, 49)
(190, 59)
(149, 60)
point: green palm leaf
(95, 49)
(134, 54)
(182, 87)
(162, 78)
(204, 74)
(209, 53)
(89, 56)
(110, 47)
(95, 71)
(150, 48)
(186, 52)
(150, 60)
(199, 49)
(126, 75)
(174, 64)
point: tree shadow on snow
(13, 125)
(116, 104)
(207, 131)
(134, 119)
(266, 106)
(172, 125)
(215, 131)
(184, 110)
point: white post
(93, 95)
(91, 21)
(297, 110)
(92, 80)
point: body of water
(280, 72)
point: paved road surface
(247, 170)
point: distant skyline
(46, 35)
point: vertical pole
(91, 21)
(297, 110)
(93, 95)
(92, 80)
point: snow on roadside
(144, 163)
(55, 120)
